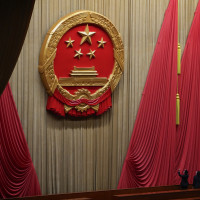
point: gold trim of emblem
(49, 47)
(82, 107)
(82, 81)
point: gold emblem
(80, 76)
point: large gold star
(86, 35)
(91, 54)
(69, 42)
(101, 43)
(78, 54)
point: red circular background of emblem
(65, 61)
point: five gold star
(91, 54)
(69, 42)
(86, 35)
(78, 54)
(101, 43)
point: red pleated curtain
(17, 174)
(150, 160)
(188, 133)
(158, 149)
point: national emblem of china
(81, 62)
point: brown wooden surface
(163, 192)
(78, 199)
(161, 195)
(194, 198)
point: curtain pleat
(17, 174)
(187, 155)
(150, 160)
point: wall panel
(85, 155)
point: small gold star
(69, 42)
(86, 35)
(91, 54)
(78, 54)
(101, 43)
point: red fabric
(56, 103)
(17, 174)
(55, 106)
(73, 112)
(188, 132)
(150, 160)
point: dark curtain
(14, 21)
(17, 174)
(150, 160)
